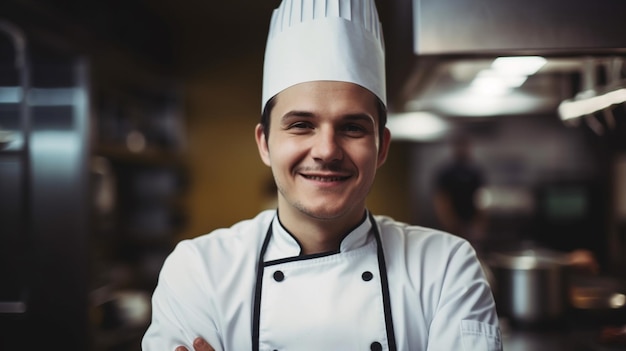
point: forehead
(326, 98)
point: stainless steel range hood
(534, 26)
(437, 47)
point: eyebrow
(349, 117)
(296, 114)
(360, 117)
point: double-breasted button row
(375, 346)
(279, 276)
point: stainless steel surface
(441, 26)
(15, 167)
(531, 285)
(44, 188)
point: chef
(321, 272)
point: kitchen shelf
(148, 156)
(138, 132)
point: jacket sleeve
(465, 317)
(181, 305)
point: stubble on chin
(303, 209)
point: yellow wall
(227, 176)
(391, 193)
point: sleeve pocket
(479, 336)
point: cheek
(365, 151)
(282, 151)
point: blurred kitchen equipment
(598, 300)
(133, 307)
(531, 285)
(599, 296)
(6, 137)
(127, 308)
(599, 309)
(14, 169)
(103, 185)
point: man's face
(323, 149)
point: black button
(376, 346)
(367, 276)
(279, 276)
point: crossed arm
(199, 344)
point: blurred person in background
(321, 272)
(456, 187)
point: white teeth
(325, 179)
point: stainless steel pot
(531, 285)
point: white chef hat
(335, 40)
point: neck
(317, 235)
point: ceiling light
(518, 65)
(505, 74)
(490, 82)
(416, 126)
(573, 108)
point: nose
(326, 146)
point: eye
(300, 127)
(354, 129)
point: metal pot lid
(527, 259)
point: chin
(323, 212)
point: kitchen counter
(538, 341)
(595, 303)
(565, 338)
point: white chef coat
(438, 296)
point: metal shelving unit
(92, 173)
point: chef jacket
(390, 286)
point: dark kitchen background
(127, 126)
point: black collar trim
(300, 258)
(345, 235)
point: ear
(261, 143)
(383, 149)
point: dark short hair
(267, 110)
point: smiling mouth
(325, 179)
